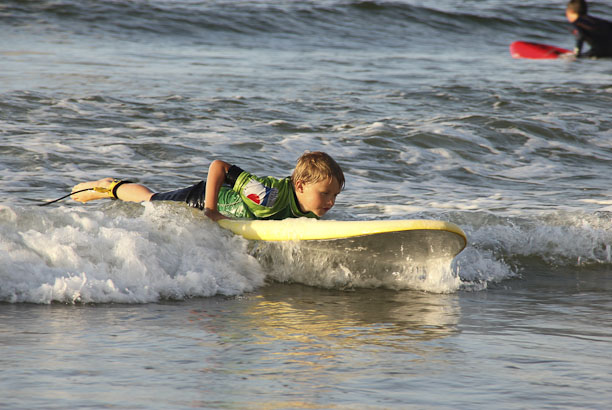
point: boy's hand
(214, 214)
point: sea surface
(153, 306)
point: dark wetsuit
(193, 195)
(244, 196)
(597, 33)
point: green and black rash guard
(244, 196)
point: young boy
(595, 31)
(231, 192)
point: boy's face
(318, 197)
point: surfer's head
(317, 180)
(317, 166)
(575, 9)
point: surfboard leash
(97, 189)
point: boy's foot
(90, 194)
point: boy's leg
(126, 191)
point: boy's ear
(299, 186)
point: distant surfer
(595, 31)
(231, 192)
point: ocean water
(123, 305)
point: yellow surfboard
(416, 239)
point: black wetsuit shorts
(193, 195)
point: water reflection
(374, 317)
(329, 343)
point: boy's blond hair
(316, 166)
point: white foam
(559, 238)
(296, 262)
(128, 253)
(99, 256)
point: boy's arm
(578, 46)
(216, 176)
(579, 41)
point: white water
(140, 254)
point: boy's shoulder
(588, 20)
(246, 176)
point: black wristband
(117, 185)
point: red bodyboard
(523, 49)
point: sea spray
(122, 253)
